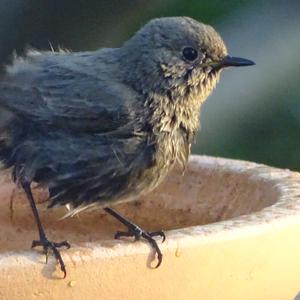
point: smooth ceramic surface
(232, 227)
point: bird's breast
(173, 123)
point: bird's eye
(189, 53)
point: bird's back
(69, 128)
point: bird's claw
(53, 246)
(139, 233)
(158, 233)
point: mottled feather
(105, 126)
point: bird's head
(179, 55)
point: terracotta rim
(285, 211)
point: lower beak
(230, 61)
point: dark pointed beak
(231, 61)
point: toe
(65, 244)
(158, 233)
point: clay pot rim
(284, 212)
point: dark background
(254, 114)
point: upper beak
(230, 61)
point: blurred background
(254, 114)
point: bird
(96, 128)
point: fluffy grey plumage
(105, 126)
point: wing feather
(59, 96)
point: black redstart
(98, 128)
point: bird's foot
(138, 233)
(52, 246)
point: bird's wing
(77, 167)
(61, 97)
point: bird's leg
(136, 232)
(43, 241)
